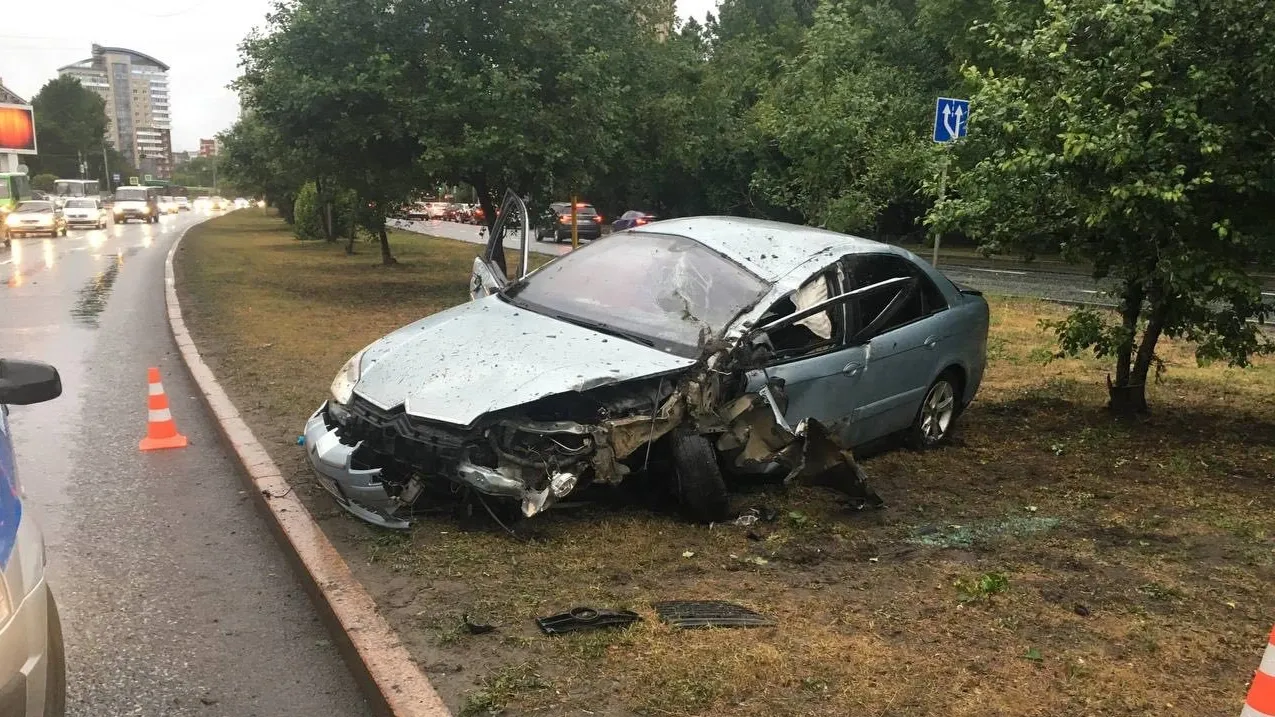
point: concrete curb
(390, 679)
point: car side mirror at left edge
(25, 382)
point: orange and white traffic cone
(1261, 696)
(161, 432)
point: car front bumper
(24, 655)
(362, 491)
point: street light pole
(106, 171)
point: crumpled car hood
(486, 355)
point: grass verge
(1049, 558)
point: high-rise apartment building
(209, 147)
(135, 87)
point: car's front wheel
(701, 490)
(55, 673)
(936, 417)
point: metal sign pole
(575, 232)
(942, 194)
(951, 122)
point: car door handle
(931, 341)
(852, 369)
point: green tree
(849, 116)
(254, 157)
(332, 79)
(199, 172)
(1137, 136)
(44, 182)
(539, 105)
(71, 122)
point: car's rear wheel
(936, 417)
(55, 673)
(701, 490)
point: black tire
(55, 675)
(924, 434)
(701, 490)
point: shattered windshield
(656, 289)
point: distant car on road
(36, 217)
(85, 212)
(168, 205)
(556, 223)
(183, 204)
(217, 204)
(32, 657)
(630, 219)
(241, 203)
(417, 212)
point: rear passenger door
(900, 330)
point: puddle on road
(93, 295)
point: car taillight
(640, 221)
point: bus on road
(64, 189)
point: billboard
(17, 129)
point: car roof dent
(771, 250)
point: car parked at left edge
(32, 656)
(36, 217)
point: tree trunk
(1134, 398)
(329, 231)
(354, 230)
(386, 258)
(1121, 395)
(285, 209)
(484, 200)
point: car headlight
(343, 384)
(11, 220)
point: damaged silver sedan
(717, 345)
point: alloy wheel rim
(937, 412)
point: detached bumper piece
(586, 618)
(690, 614)
(360, 492)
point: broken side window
(814, 334)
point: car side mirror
(25, 382)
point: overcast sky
(198, 39)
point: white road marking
(994, 271)
(1087, 291)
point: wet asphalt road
(175, 598)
